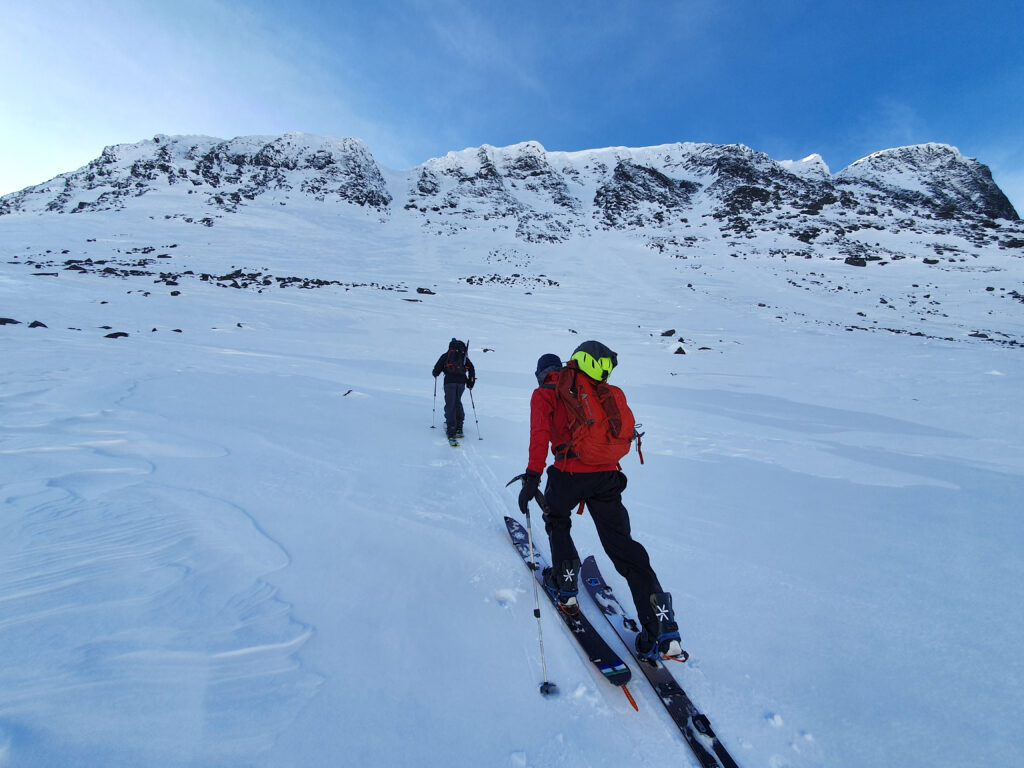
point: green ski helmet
(595, 359)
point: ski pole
(547, 687)
(473, 403)
(433, 414)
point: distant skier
(586, 451)
(459, 374)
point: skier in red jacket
(570, 482)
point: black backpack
(456, 361)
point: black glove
(470, 383)
(531, 483)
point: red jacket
(549, 426)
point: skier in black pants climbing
(459, 374)
(572, 480)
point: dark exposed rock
(639, 196)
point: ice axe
(537, 496)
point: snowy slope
(231, 537)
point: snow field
(243, 544)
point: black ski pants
(454, 414)
(603, 493)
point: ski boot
(659, 638)
(564, 588)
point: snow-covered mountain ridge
(541, 195)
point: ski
(598, 651)
(692, 723)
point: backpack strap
(567, 391)
(611, 407)
(460, 355)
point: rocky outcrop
(934, 177)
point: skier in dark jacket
(570, 482)
(459, 374)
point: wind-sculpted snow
(143, 630)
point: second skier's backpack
(601, 425)
(456, 360)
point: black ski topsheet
(598, 651)
(694, 725)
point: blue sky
(418, 78)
